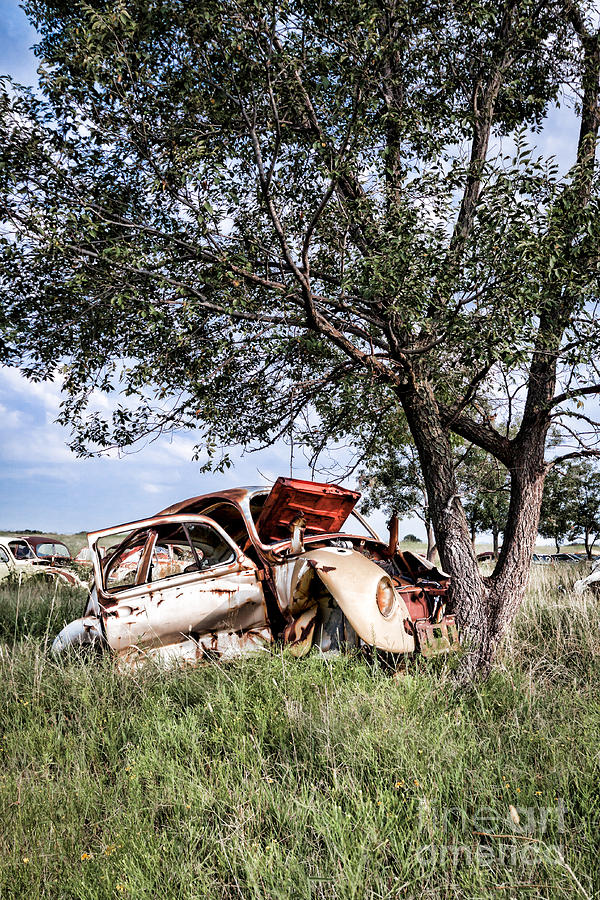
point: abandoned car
(592, 581)
(227, 573)
(19, 560)
(46, 547)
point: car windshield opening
(51, 549)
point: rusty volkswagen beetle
(231, 572)
(21, 560)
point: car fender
(80, 632)
(352, 578)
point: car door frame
(135, 599)
(106, 598)
(6, 562)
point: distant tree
(561, 504)
(571, 505)
(588, 513)
(485, 488)
(411, 539)
(392, 481)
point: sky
(44, 486)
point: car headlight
(385, 597)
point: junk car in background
(230, 572)
(36, 556)
(592, 581)
(570, 559)
(45, 547)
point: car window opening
(164, 552)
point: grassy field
(277, 778)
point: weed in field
(37, 608)
(281, 778)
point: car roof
(36, 539)
(233, 495)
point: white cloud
(12, 382)
(44, 485)
(151, 488)
(10, 418)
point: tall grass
(37, 609)
(320, 778)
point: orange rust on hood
(323, 508)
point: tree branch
(570, 395)
(478, 433)
(576, 454)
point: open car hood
(325, 508)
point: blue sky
(43, 485)
(16, 38)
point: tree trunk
(556, 544)
(508, 583)
(457, 556)
(484, 607)
(473, 536)
(588, 549)
(495, 535)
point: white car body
(580, 586)
(29, 566)
(228, 573)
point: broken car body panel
(227, 573)
(323, 509)
(340, 583)
(591, 581)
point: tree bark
(484, 606)
(507, 585)
(468, 590)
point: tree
(588, 511)
(254, 215)
(391, 480)
(558, 514)
(571, 505)
(485, 487)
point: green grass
(278, 778)
(37, 609)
